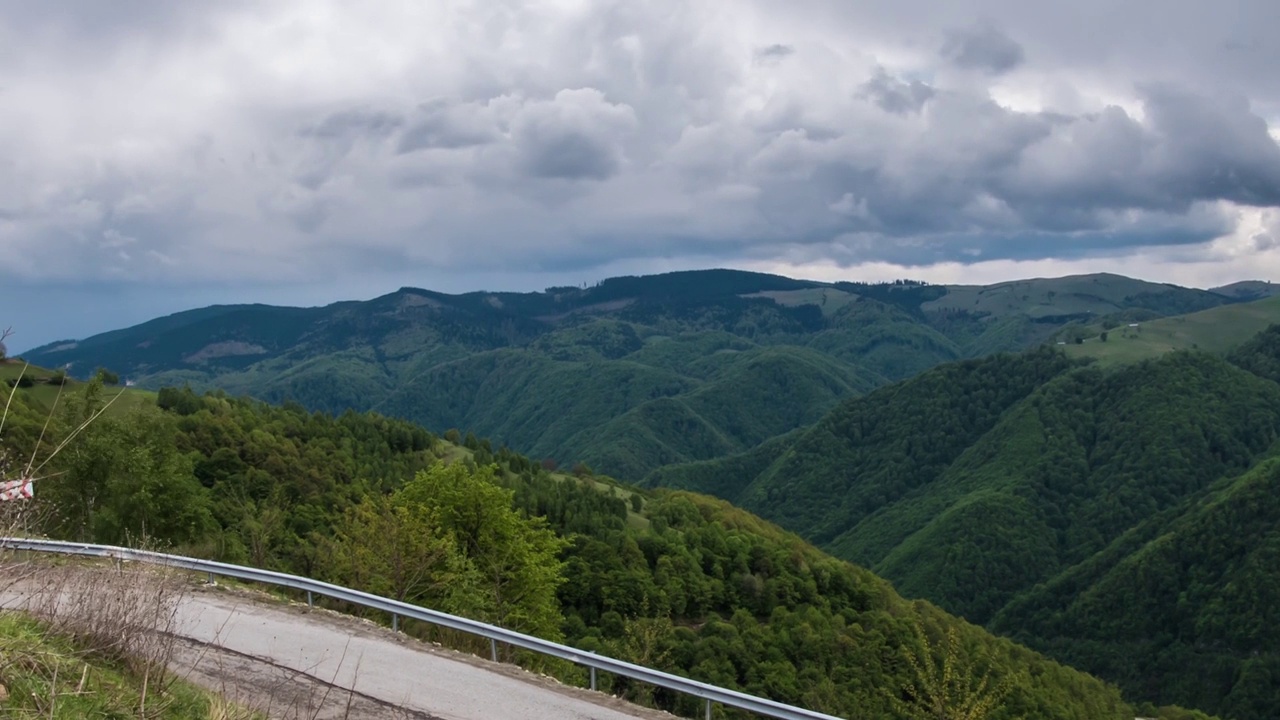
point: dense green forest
(1185, 605)
(1182, 606)
(1056, 502)
(668, 578)
(629, 375)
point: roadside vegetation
(80, 641)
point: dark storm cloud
(356, 122)
(443, 125)
(773, 53)
(1189, 148)
(575, 136)
(982, 47)
(560, 153)
(978, 180)
(895, 95)
(1214, 148)
(91, 19)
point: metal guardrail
(710, 693)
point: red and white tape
(16, 490)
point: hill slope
(980, 484)
(1248, 289)
(1182, 606)
(488, 362)
(1185, 606)
(1217, 330)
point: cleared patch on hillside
(410, 300)
(450, 453)
(1099, 294)
(229, 348)
(828, 299)
(1216, 330)
(43, 394)
(595, 308)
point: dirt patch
(230, 348)
(410, 300)
(604, 307)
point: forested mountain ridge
(1183, 607)
(1056, 501)
(632, 357)
(669, 579)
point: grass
(609, 486)
(1217, 330)
(46, 675)
(635, 520)
(828, 299)
(1100, 293)
(43, 394)
(450, 453)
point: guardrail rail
(710, 693)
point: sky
(158, 156)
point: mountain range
(627, 376)
(1083, 464)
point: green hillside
(1216, 330)
(875, 449)
(1186, 606)
(979, 484)
(1260, 355)
(37, 391)
(699, 588)
(603, 374)
(1077, 295)
(1084, 459)
(1181, 606)
(1248, 289)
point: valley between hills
(1062, 489)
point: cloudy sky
(156, 156)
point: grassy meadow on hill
(1217, 330)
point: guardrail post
(210, 578)
(493, 649)
(395, 623)
(593, 678)
(708, 708)
(309, 603)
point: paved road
(277, 658)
